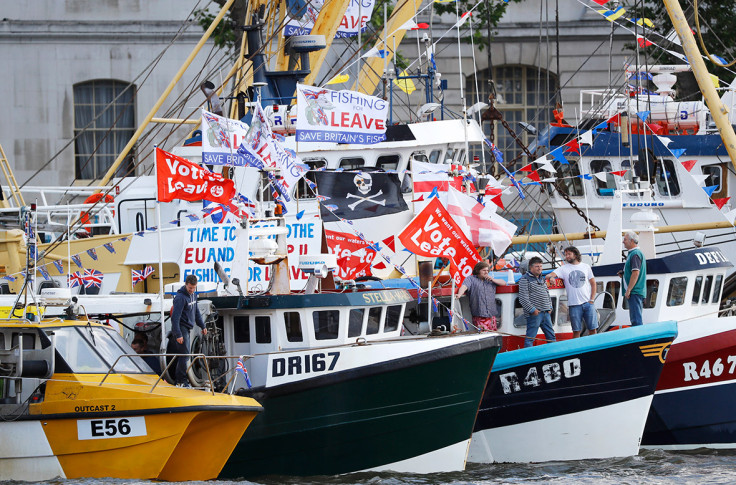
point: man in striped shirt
(534, 297)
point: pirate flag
(359, 195)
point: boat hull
(413, 414)
(555, 402)
(693, 405)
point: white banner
(356, 17)
(324, 115)
(221, 138)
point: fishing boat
(77, 402)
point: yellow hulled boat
(73, 405)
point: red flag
(527, 168)
(354, 258)
(721, 202)
(422, 25)
(643, 41)
(497, 200)
(600, 2)
(688, 164)
(390, 243)
(573, 146)
(380, 265)
(620, 173)
(534, 176)
(178, 178)
(434, 233)
(493, 190)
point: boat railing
(194, 358)
(598, 101)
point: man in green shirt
(634, 287)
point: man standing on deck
(634, 284)
(534, 297)
(580, 288)
(184, 314)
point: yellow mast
(328, 21)
(716, 107)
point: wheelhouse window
(706, 289)
(326, 324)
(420, 157)
(104, 122)
(435, 156)
(666, 177)
(93, 350)
(302, 188)
(263, 329)
(388, 162)
(352, 163)
(676, 292)
(355, 322)
(293, 327)
(717, 289)
(650, 300)
(241, 329)
(715, 178)
(696, 290)
(393, 316)
(374, 320)
(613, 290)
(569, 180)
(602, 188)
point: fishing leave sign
(324, 115)
(178, 178)
(355, 19)
(434, 233)
(221, 138)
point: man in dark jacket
(184, 314)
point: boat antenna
(30, 227)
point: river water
(651, 467)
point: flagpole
(162, 347)
(68, 246)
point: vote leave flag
(354, 257)
(178, 178)
(481, 224)
(434, 233)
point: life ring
(93, 199)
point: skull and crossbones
(364, 183)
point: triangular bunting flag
(601, 176)
(526, 168)
(710, 189)
(59, 266)
(664, 140)
(586, 176)
(619, 173)
(643, 115)
(677, 152)
(557, 154)
(699, 178)
(721, 202)
(534, 176)
(92, 253)
(380, 265)
(390, 243)
(573, 146)
(339, 79)
(688, 164)
(497, 200)
(587, 138)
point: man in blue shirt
(184, 315)
(534, 297)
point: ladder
(12, 183)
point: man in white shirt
(580, 287)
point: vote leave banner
(354, 258)
(356, 17)
(178, 178)
(434, 233)
(324, 115)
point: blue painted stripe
(590, 343)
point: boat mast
(716, 107)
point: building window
(104, 122)
(524, 94)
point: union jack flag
(92, 277)
(92, 253)
(76, 279)
(240, 366)
(142, 275)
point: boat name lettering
(711, 257)
(706, 371)
(94, 409)
(551, 373)
(304, 364)
(643, 204)
(96, 429)
(384, 297)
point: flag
(240, 366)
(354, 254)
(109, 247)
(178, 178)
(77, 260)
(359, 195)
(221, 213)
(92, 277)
(612, 15)
(339, 79)
(44, 272)
(374, 52)
(141, 275)
(434, 233)
(688, 164)
(463, 19)
(221, 137)
(59, 266)
(643, 41)
(406, 85)
(9, 278)
(92, 253)
(721, 202)
(480, 224)
(75, 279)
